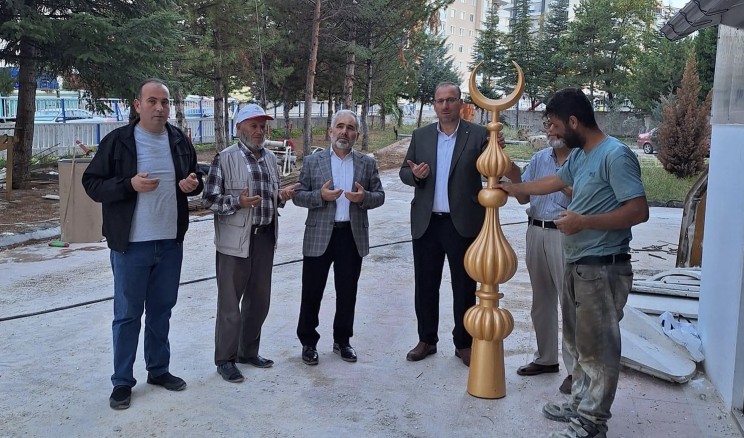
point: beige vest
(232, 232)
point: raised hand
(328, 194)
(246, 201)
(141, 183)
(420, 170)
(288, 192)
(188, 184)
(357, 195)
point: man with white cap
(242, 190)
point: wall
(617, 124)
(720, 320)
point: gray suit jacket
(316, 170)
(464, 180)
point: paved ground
(55, 367)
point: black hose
(183, 283)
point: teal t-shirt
(602, 180)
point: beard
(348, 145)
(556, 143)
(253, 147)
(573, 139)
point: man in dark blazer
(445, 216)
(338, 186)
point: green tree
(521, 45)
(115, 45)
(684, 135)
(490, 48)
(705, 54)
(604, 41)
(550, 62)
(434, 66)
(658, 70)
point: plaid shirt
(261, 184)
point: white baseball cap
(251, 111)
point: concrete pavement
(55, 367)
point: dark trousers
(441, 239)
(347, 265)
(243, 296)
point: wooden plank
(641, 289)
(693, 273)
(657, 304)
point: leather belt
(542, 224)
(260, 229)
(346, 224)
(440, 214)
(602, 260)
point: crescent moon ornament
(494, 104)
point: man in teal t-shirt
(608, 199)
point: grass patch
(663, 188)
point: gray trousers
(243, 295)
(596, 295)
(546, 266)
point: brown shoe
(533, 369)
(420, 351)
(565, 387)
(464, 354)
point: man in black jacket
(142, 173)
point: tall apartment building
(459, 23)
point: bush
(685, 130)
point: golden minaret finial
(490, 260)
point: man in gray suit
(445, 216)
(338, 186)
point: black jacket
(108, 180)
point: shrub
(685, 130)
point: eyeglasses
(449, 100)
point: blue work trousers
(146, 278)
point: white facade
(721, 313)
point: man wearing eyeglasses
(544, 258)
(445, 216)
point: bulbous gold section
(489, 323)
(490, 259)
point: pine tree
(684, 135)
(490, 48)
(521, 43)
(552, 63)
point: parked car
(56, 116)
(648, 141)
(197, 113)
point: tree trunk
(220, 142)
(349, 79)
(23, 139)
(421, 111)
(329, 116)
(307, 128)
(285, 112)
(178, 99)
(365, 107)
(383, 115)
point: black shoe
(230, 372)
(120, 397)
(167, 381)
(345, 351)
(257, 361)
(309, 355)
(533, 369)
